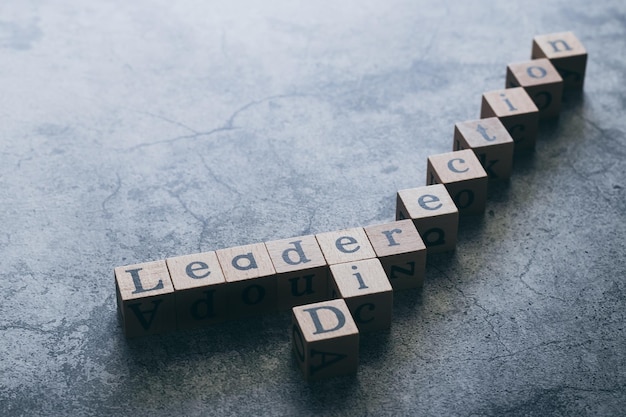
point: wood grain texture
(566, 53)
(345, 245)
(541, 81)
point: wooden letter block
(463, 176)
(434, 215)
(145, 298)
(491, 143)
(516, 111)
(345, 245)
(301, 271)
(401, 252)
(325, 339)
(251, 279)
(566, 53)
(541, 81)
(367, 292)
(201, 290)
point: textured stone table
(136, 131)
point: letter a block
(301, 271)
(251, 279)
(517, 112)
(145, 298)
(201, 290)
(401, 252)
(566, 53)
(541, 81)
(367, 291)
(434, 215)
(325, 339)
(463, 176)
(345, 245)
(491, 143)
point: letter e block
(325, 339)
(367, 291)
(251, 279)
(145, 298)
(345, 245)
(301, 271)
(566, 53)
(517, 112)
(464, 178)
(200, 289)
(491, 143)
(434, 215)
(541, 81)
(401, 252)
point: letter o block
(541, 81)
(566, 53)
(325, 339)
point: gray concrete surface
(136, 131)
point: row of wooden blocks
(339, 284)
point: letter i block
(345, 245)
(434, 215)
(301, 271)
(491, 143)
(251, 279)
(201, 290)
(145, 298)
(566, 53)
(464, 178)
(367, 291)
(517, 112)
(401, 252)
(325, 339)
(541, 81)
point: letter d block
(464, 178)
(401, 252)
(517, 112)
(145, 298)
(541, 81)
(325, 339)
(434, 215)
(201, 290)
(301, 271)
(566, 53)
(367, 291)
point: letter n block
(491, 143)
(434, 215)
(325, 339)
(145, 298)
(367, 291)
(200, 289)
(251, 279)
(517, 112)
(541, 81)
(301, 271)
(566, 53)
(464, 178)
(401, 252)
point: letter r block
(145, 298)
(464, 178)
(566, 53)
(434, 215)
(301, 271)
(325, 339)
(541, 81)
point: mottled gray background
(138, 130)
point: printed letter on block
(541, 81)
(566, 53)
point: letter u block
(464, 178)
(251, 279)
(325, 339)
(566, 53)
(301, 271)
(491, 143)
(145, 298)
(401, 252)
(434, 215)
(367, 292)
(517, 112)
(200, 289)
(541, 81)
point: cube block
(541, 81)
(566, 53)
(345, 245)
